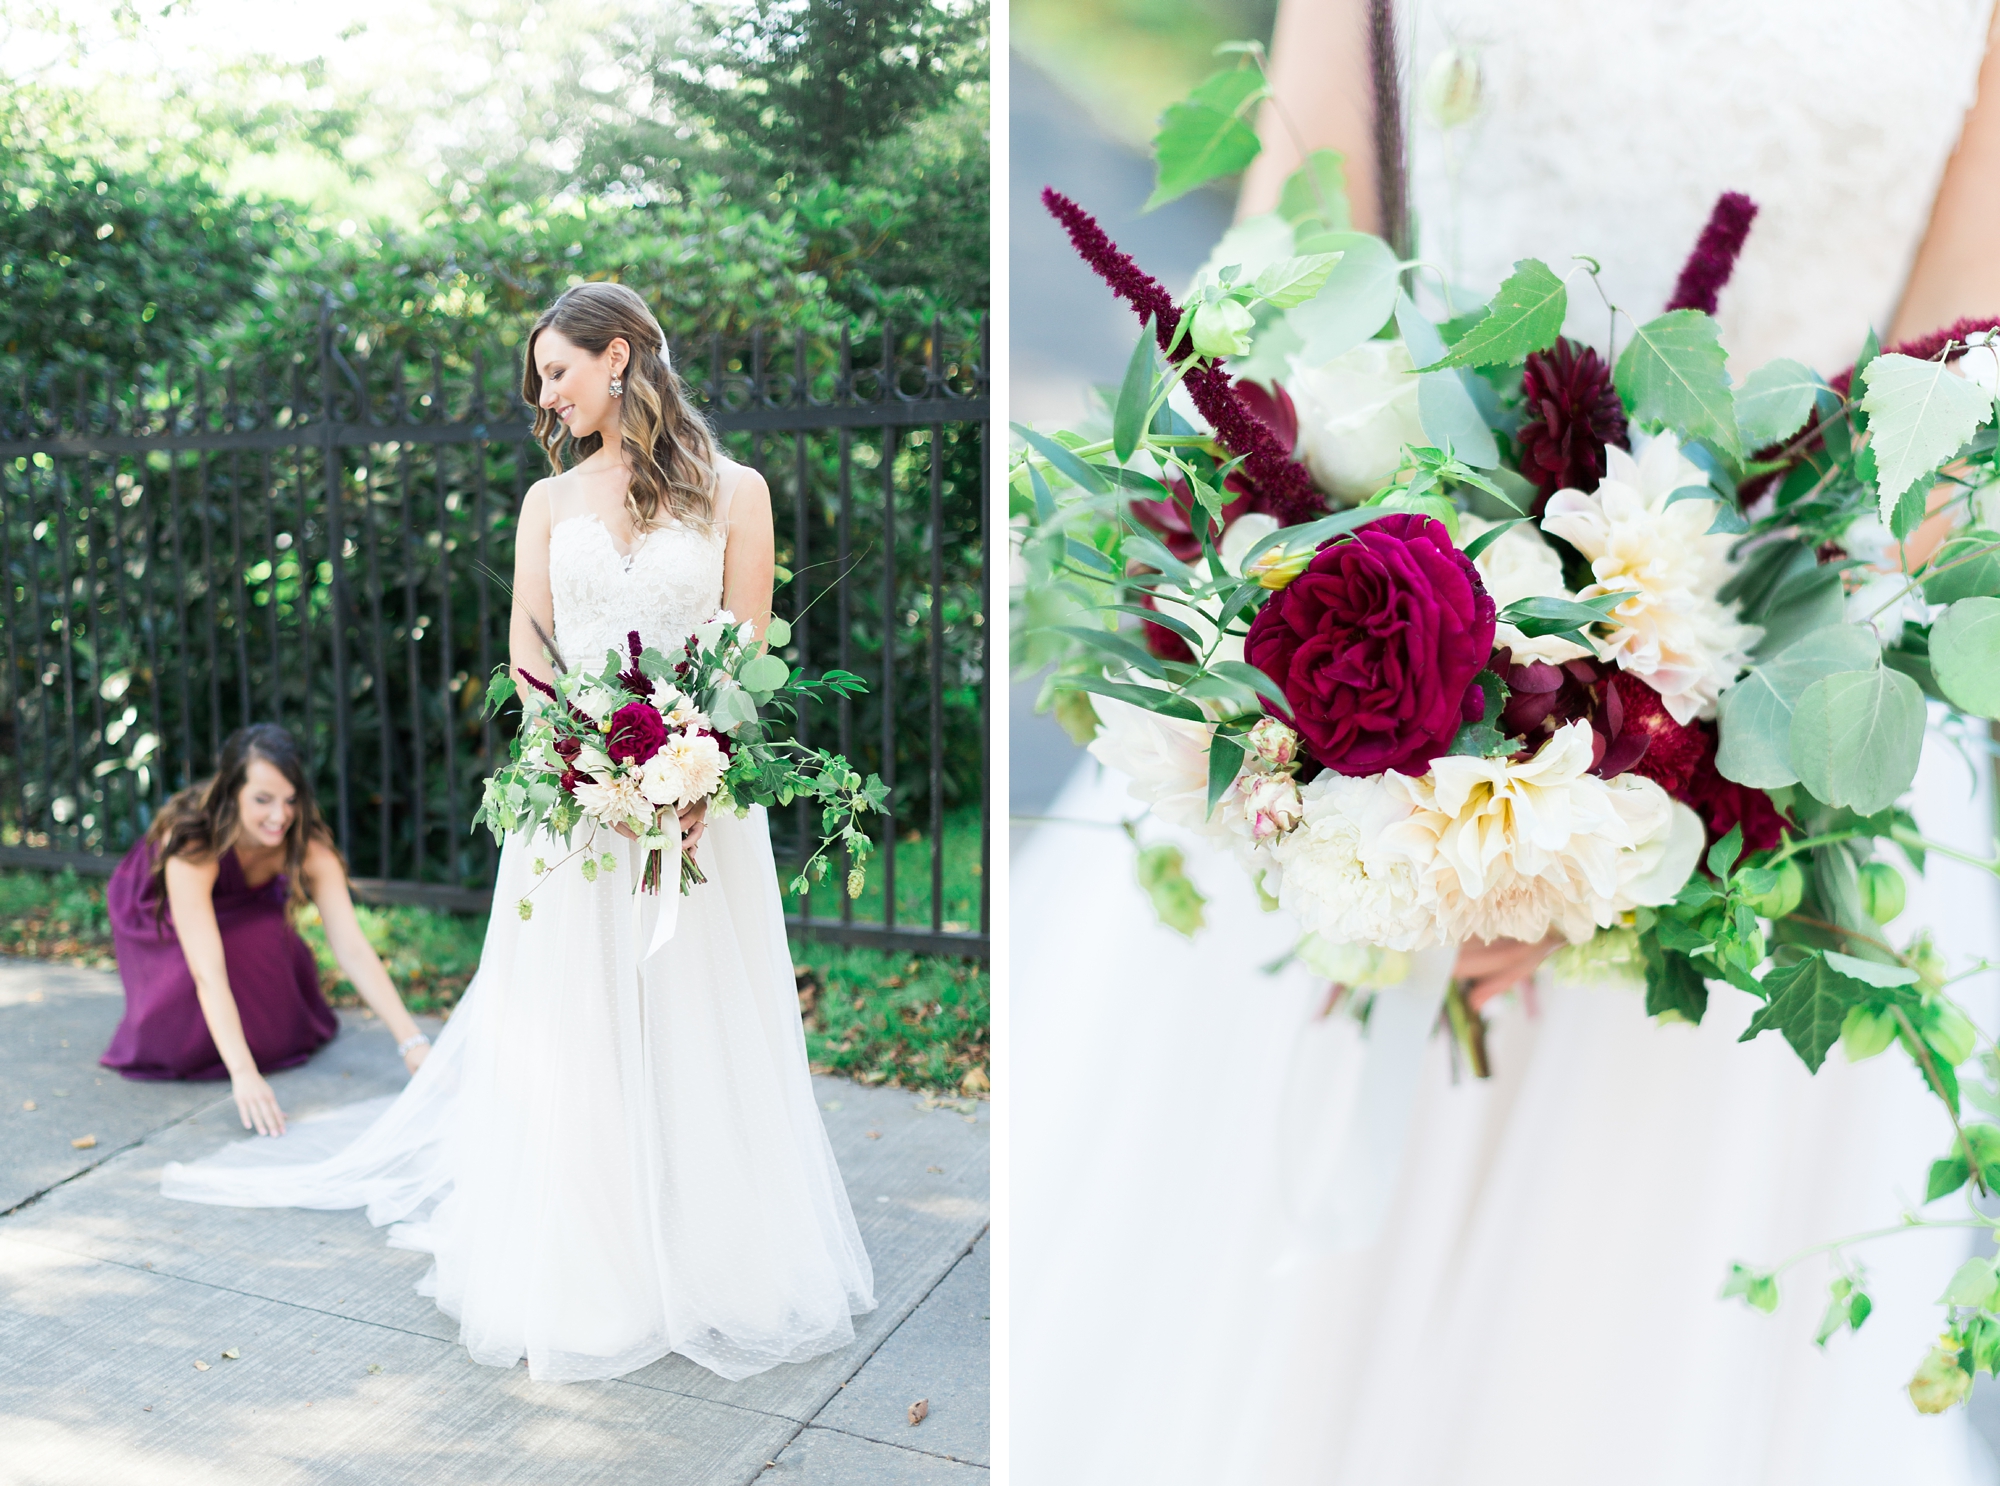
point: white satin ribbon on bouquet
(669, 917)
(1349, 1095)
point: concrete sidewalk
(110, 1295)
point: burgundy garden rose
(637, 731)
(1375, 646)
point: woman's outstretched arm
(1957, 272)
(191, 900)
(326, 881)
(1319, 71)
(534, 600)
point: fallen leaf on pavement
(935, 1170)
(920, 1411)
(27, 1104)
(200, 1366)
(84, 1142)
(232, 1354)
(374, 1367)
(874, 1134)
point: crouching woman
(218, 983)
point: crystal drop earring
(617, 386)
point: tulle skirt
(610, 1160)
(1536, 1297)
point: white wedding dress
(1199, 1292)
(610, 1157)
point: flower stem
(1903, 836)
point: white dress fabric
(610, 1157)
(1540, 1301)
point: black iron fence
(326, 543)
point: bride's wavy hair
(669, 447)
(201, 821)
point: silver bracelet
(403, 1047)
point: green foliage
(1163, 874)
(1756, 712)
(1314, 197)
(1357, 299)
(785, 89)
(1965, 655)
(1920, 413)
(1856, 737)
(1207, 135)
(1774, 402)
(1808, 1004)
(1525, 315)
(1674, 375)
(1674, 986)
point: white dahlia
(1339, 882)
(1671, 632)
(1508, 849)
(617, 800)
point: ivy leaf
(1204, 136)
(1292, 281)
(1674, 987)
(1856, 736)
(1756, 713)
(1316, 193)
(1675, 374)
(1526, 315)
(1759, 1290)
(1809, 1001)
(1774, 402)
(1356, 301)
(1965, 655)
(1920, 414)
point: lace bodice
(670, 583)
(1610, 127)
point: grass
(881, 1018)
(962, 873)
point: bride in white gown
(1194, 1298)
(611, 1157)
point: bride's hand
(694, 820)
(414, 1058)
(1501, 965)
(627, 832)
(257, 1104)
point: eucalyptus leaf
(1856, 736)
(1356, 301)
(1149, 698)
(1163, 875)
(1774, 402)
(1967, 566)
(1756, 713)
(765, 673)
(1675, 374)
(1492, 534)
(1965, 655)
(777, 633)
(1445, 408)
(1920, 413)
(1073, 468)
(1885, 976)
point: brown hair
(201, 822)
(669, 447)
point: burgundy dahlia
(1375, 646)
(637, 732)
(1572, 412)
(1674, 750)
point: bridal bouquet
(649, 736)
(1448, 627)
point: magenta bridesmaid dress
(272, 975)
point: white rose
(1355, 415)
(594, 701)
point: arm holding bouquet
(1453, 631)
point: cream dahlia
(1338, 881)
(1520, 565)
(1671, 631)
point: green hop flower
(610, 862)
(541, 866)
(590, 869)
(527, 910)
(856, 879)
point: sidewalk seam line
(108, 1156)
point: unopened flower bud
(1276, 568)
(1222, 328)
(1273, 806)
(1273, 744)
(1451, 91)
